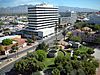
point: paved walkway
(8, 61)
(97, 56)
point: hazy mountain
(23, 9)
(14, 10)
(77, 9)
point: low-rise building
(17, 41)
(86, 35)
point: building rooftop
(8, 37)
(42, 5)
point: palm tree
(56, 33)
(64, 33)
(33, 37)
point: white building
(42, 18)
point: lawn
(48, 61)
(83, 49)
(60, 53)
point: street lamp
(6, 52)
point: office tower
(42, 20)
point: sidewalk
(9, 61)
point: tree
(69, 34)
(79, 25)
(89, 67)
(61, 60)
(55, 71)
(90, 51)
(64, 34)
(15, 48)
(29, 41)
(43, 46)
(97, 40)
(76, 38)
(28, 65)
(33, 37)
(68, 67)
(80, 72)
(41, 55)
(21, 66)
(7, 42)
(97, 27)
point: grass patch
(83, 49)
(60, 53)
(49, 61)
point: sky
(93, 4)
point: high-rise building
(42, 20)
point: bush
(28, 65)
(29, 41)
(42, 46)
(7, 41)
(55, 72)
(41, 55)
(76, 38)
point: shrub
(7, 41)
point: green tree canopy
(64, 34)
(7, 41)
(41, 55)
(76, 38)
(28, 65)
(43, 46)
(55, 71)
(97, 40)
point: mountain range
(23, 9)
